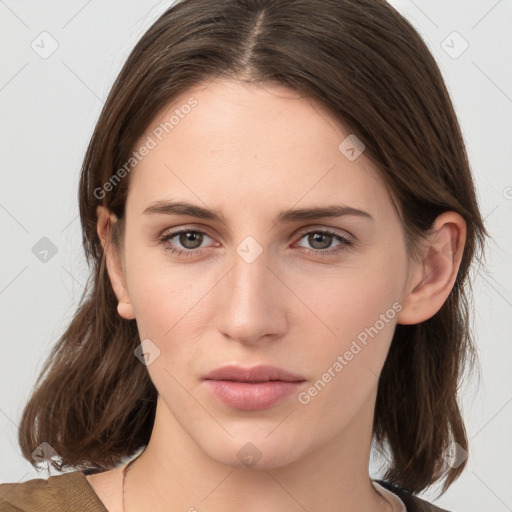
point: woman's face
(261, 287)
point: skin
(251, 151)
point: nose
(254, 301)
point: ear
(114, 263)
(431, 279)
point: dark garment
(412, 503)
(71, 492)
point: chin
(258, 451)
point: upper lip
(260, 373)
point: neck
(174, 474)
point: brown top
(59, 493)
(72, 492)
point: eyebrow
(286, 216)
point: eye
(189, 241)
(321, 240)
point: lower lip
(247, 396)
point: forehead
(260, 145)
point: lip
(251, 389)
(259, 373)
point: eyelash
(344, 245)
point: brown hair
(94, 402)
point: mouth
(260, 373)
(251, 389)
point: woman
(280, 215)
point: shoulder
(58, 493)
(412, 503)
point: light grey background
(48, 108)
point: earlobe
(433, 277)
(125, 310)
(113, 262)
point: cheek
(349, 300)
(162, 293)
(347, 367)
(354, 320)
